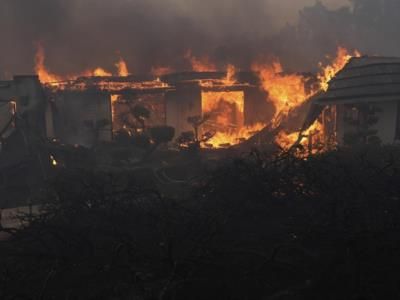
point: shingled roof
(365, 79)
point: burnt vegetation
(257, 226)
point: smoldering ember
(216, 150)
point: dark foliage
(162, 134)
(258, 227)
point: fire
(286, 91)
(211, 101)
(99, 72)
(230, 75)
(233, 137)
(312, 136)
(226, 117)
(160, 71)
(201, 64)
(45, 76)
(114, 99)
(122, 68)
(343, 56)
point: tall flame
(343, 56)
(286, 91)
(100, 72)
(45, 76)
(230, 75)
(234, 137)
(122, 68)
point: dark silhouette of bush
(162, 134)
(257, 227)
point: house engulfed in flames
(92, 109)
(235, 106)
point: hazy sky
(287, 10)
(281, 11)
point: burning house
(231, 107)
(228, 105)
(91, 109)
(363, 102)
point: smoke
(83, 34)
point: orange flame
(122, 68)
(160, 71)
(233, 137)
(343, 56)
(226, 118)
(100, 72)
(45, 76)
(312, 135)
(286, 91)
(230, 75)
(201, 64)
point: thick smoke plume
(83, 34)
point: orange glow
(211, 100)
(45, 76)
(313, 134)
(233, 137)
(200, 64)
(114, 99)
(226, 117)
(160, 71)
(99, 72)
(230, 75)
(286, 91)
(343, 56)
(122, 68)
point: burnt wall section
(22, 159)
(124, 110)
(256, 108)
(31, 103)
(83, 117)
(28, 95)
(24, 96)
(182, 103)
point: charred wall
(82, 117)
(182, 103)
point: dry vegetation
(257, 227)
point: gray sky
(82, 34)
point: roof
(365, 79)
